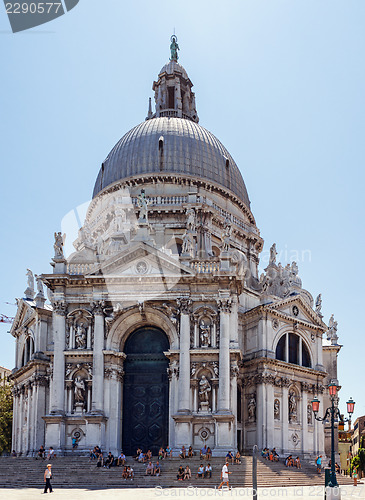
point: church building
(159, 330)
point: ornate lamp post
(334, 412)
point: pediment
(297, 309)
(142, 260)
(24, 314)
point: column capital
(224, 305)
(98, 307)
(184, 305)
(60, 307)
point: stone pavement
(291, 493)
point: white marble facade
(170, 242)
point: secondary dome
(171, 145)
(171, 141)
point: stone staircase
(79, 472)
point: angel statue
(58, 245)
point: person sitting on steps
(180, 473)
(149, 469)
(237, 458)
(183, 452)
(187, 473)
(208, 471)
(125, 473)
(190, 452)
(200, 471)
(157, 469)
(208, 455)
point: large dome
(171, 145)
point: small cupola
(173, 94)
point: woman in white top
(47, 479)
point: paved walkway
(300, 493)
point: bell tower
(173, 94)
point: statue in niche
(309, 414)
(292, 407)
(204, 334)
(226, 235)
(188, 243)
(190, 222)
(204, 389)
(251, 407)
(318, 305)
(79, 390)
(58, 245)
(80, 336)
(276, 409)
(143, 205)
(273, 254)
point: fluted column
(184, 361)
(98, 360)
(224, 365)
(59, 336)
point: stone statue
(190, 221)
(29, 292)
(174, 48)
(204, 334)
(143, 205)
(39, 282)
(292, 407)
(58, 245)
(318, 305)
(294, 278)
(80, 336)
(273, 254)
(204, 389)
(226, 235)
(251, 408)
(332, 330)
(188, 243)
(79, 390)
(276, 409)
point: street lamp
(334, 412)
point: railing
(168, 112)
(163, 200)
(204, 266)
(79, 268)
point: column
(260, 415)
(285, 420)
(98, 361)
(59, 335)
(224, 368)
(184, 365)
(269, 405)
(305, 441)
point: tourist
(275, 455)
(109, 460)
(97, 451)
(100, 460)
(51, 453)
(47, 479)
(13, 454)
(141, 457)
(354, 476)
(190, 452)
(180, 473)
(187, 473)
(203, 452)
(297, 463)
(149, 469)
(75, 443)
(230, 457)
(41, 453)
(121, 459)
(183, 452)
(237, 458)
(208, 454)
(92, 455)
(137, 455)
(149, 455)
(208, 471)
(225, 476)
(289, 462)
(168, 452)
(161, 453)
(319, 464)
(130, 473)
(125, 473)
(157, 469)
(200, 471)
(337, 468)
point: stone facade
(169, 243)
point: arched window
(28, 350)
(292, 349)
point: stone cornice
(264, 363)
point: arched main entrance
(145, 392)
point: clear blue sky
(279, 82)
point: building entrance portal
(146, 391)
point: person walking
(319, 464)
(225, 475)
(354, 476)
(47, 479)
